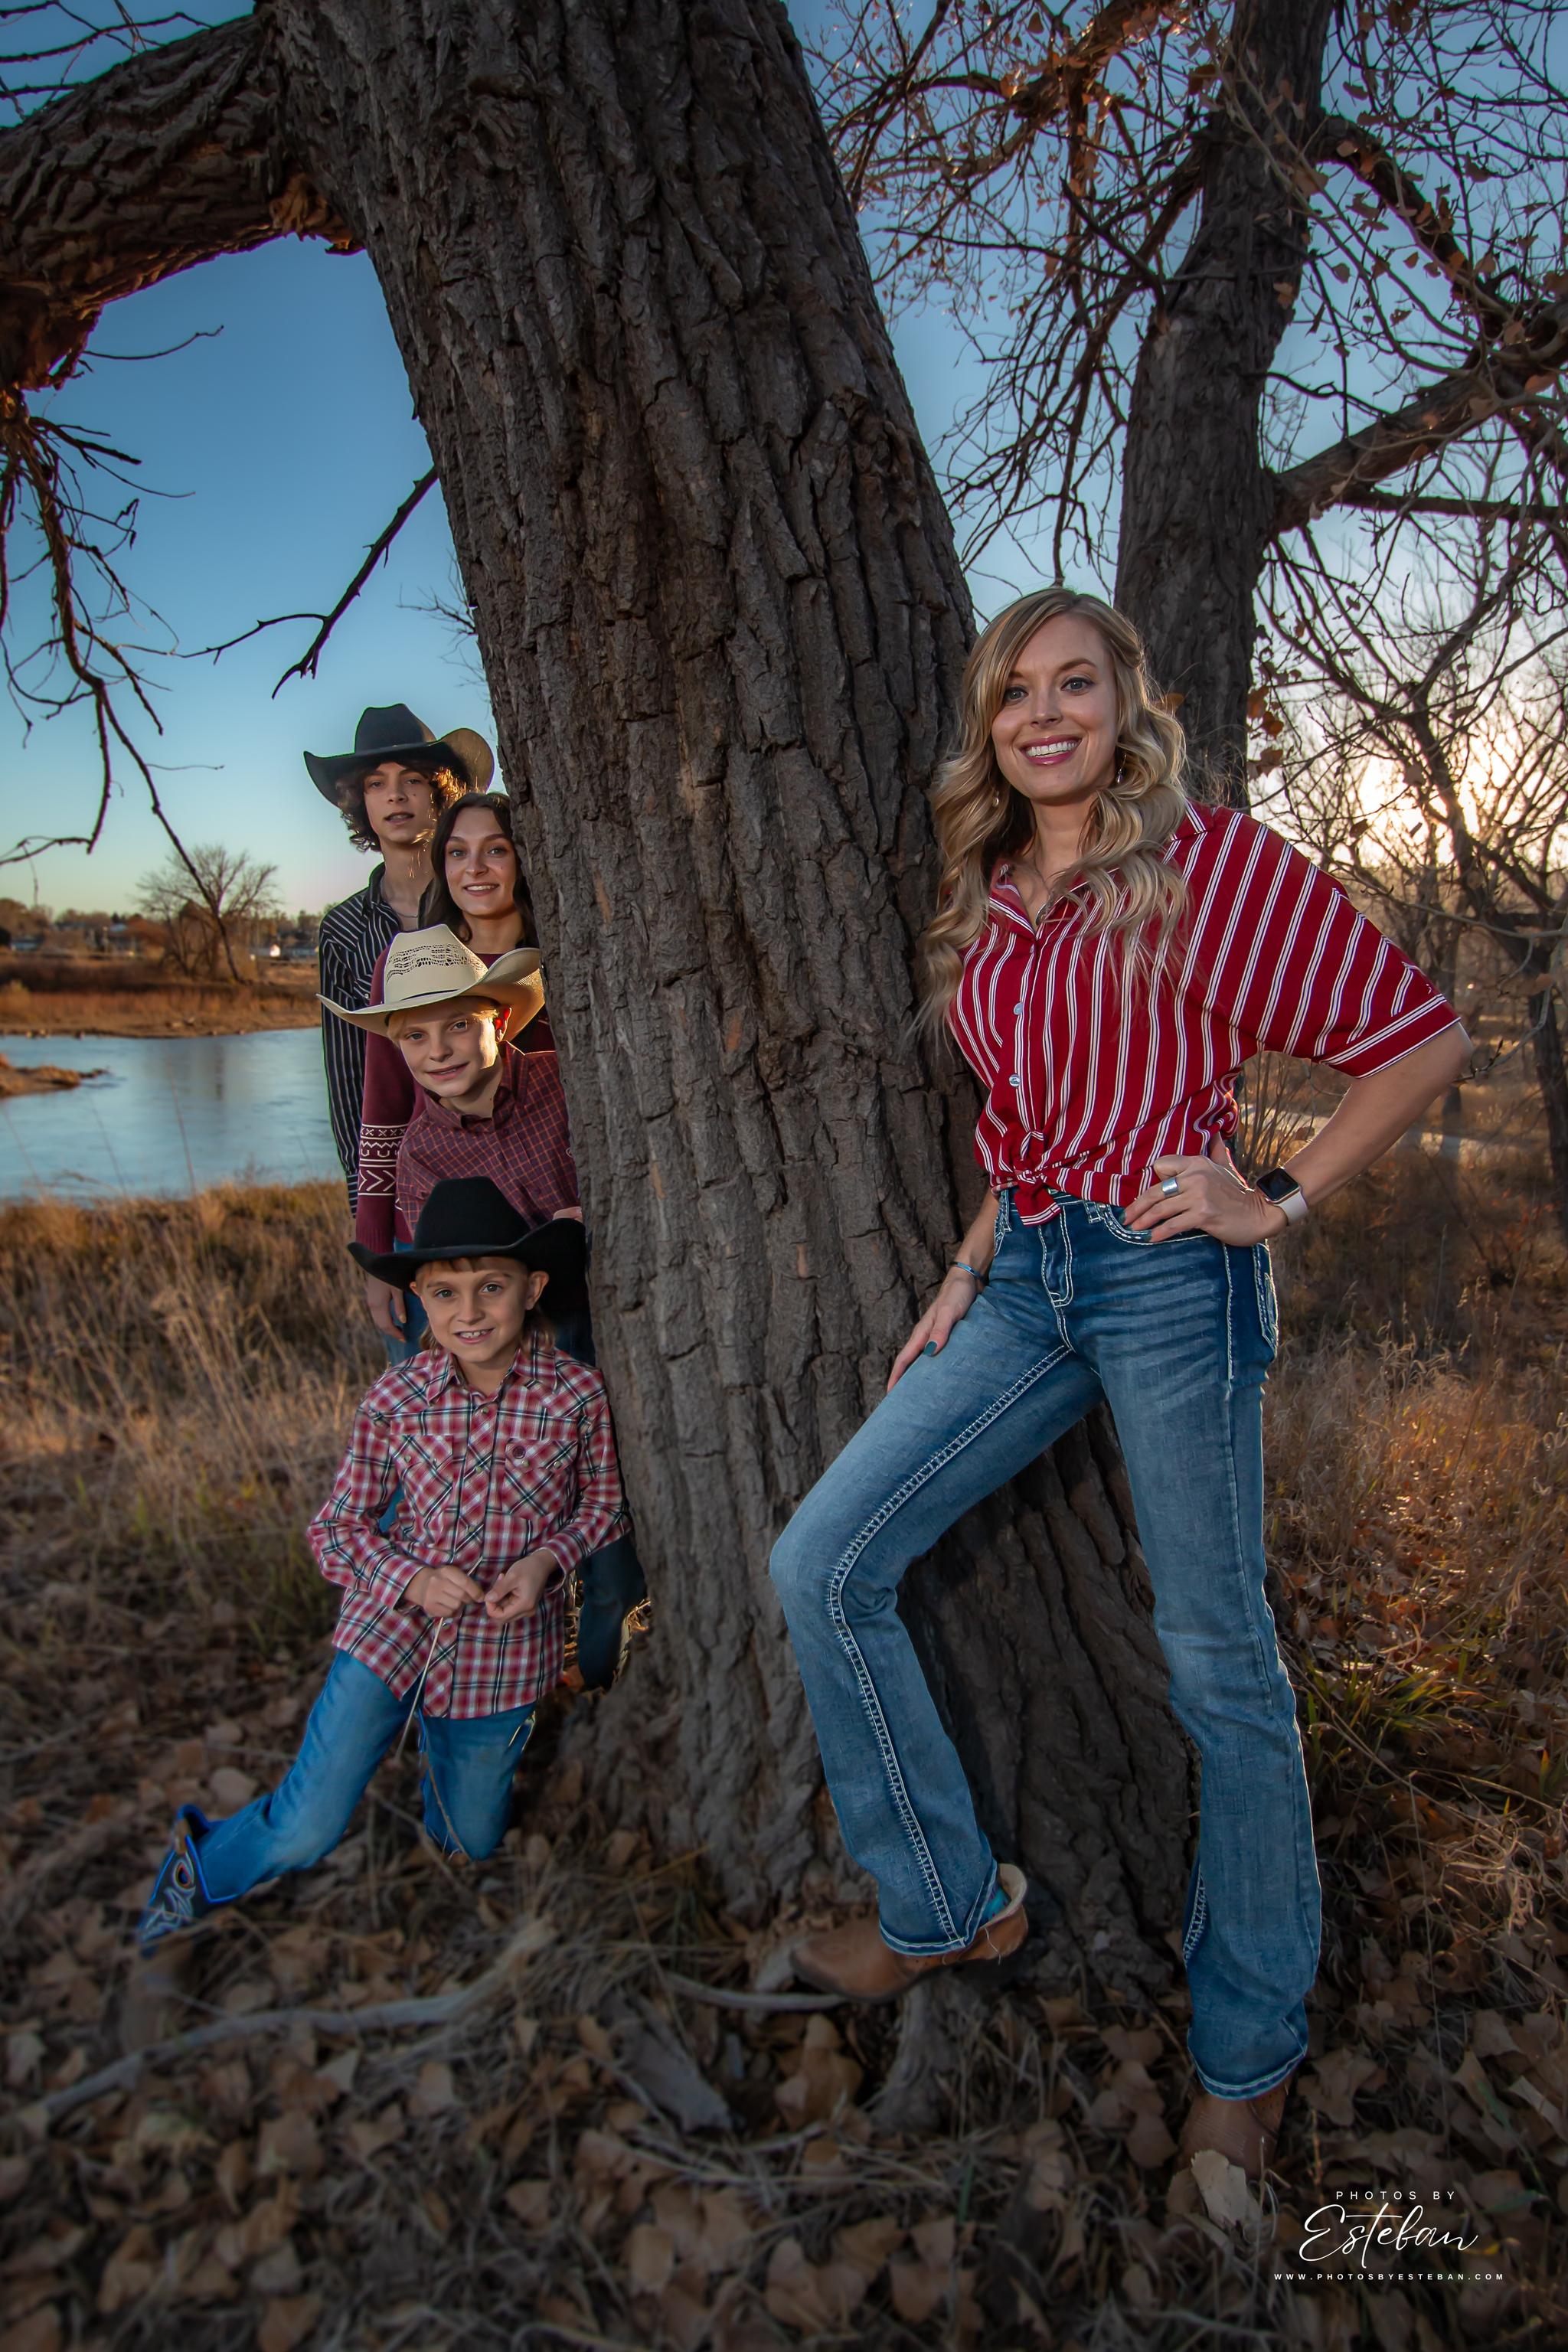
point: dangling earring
(995, 799)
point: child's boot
(179, 1897)
(614, 1588)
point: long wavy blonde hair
(1134, 894)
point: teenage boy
(390, 789)
(485, 1108)
(503, 1448)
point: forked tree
(722, 624)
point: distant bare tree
(232, 898)
(1430, 772)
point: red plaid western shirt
(1088, 1083)
(485, 1479)
(524, 1145)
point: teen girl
(1108, 954)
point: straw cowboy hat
(391, 731)
(434, 967)
(467, 1216)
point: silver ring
(1171, 1184)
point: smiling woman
(1108, 954)
(478, 887)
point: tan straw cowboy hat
(434, 967)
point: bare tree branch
(1443, 411)
(305, 665)
(1525, 510)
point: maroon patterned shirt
(485, 1479)
(524, 1145)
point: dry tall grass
(124, 997)
(177, 1380)
(589, 2150)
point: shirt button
(1014, 1082)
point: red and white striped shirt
(486, 1477)
(1089, 1081)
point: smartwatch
(1280, 1187)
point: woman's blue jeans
(468, 1768)
(1177, 1336)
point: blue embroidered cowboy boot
(614, 1590)
(179, 1897)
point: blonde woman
(1108, 954)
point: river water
(171, 1115)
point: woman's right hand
(952, 1303)
(388, 1307)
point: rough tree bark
(1197, 501)
(723, 625)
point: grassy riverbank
(123, 997)
(176, 1380)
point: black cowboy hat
(467, 1216)
(391, 731)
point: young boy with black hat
(486, 1108)
(503, 1449)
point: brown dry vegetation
(123, 997)
(566, 2143)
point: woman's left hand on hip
(1194, 1195)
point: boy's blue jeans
(351, 1727)
(1177, 1336)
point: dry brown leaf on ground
(918, 2289)
(39, 2331)
(287, 2321)
(529, 2201)
(1227, 2198)
(814, 2298)
(826, 2080)
(649, 2258)
(1330, 2088)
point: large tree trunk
(1197, 501)
(723, 625)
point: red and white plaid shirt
(485, 1479)
(524, 1147)
(1088, 1083)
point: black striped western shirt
(353, 935)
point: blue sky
(272, 450)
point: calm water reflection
(171, 1114)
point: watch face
(1278, 1185)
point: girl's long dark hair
(438, 905)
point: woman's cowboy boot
(855, 1963)
(1245, 2130)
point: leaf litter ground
(559, 2099)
